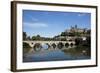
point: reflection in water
(44, 46)
(56, 53)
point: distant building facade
(76, 29)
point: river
(56, 54)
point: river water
(56, 54)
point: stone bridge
(32, 43)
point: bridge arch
(71, 44)
(66, 45)
(60, 45)
(37, 46)
(48, 45)
(54, 45)
(45, 46)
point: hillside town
(74, 33)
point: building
(76, 29)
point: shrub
(26, 45)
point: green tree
(88, 31)
(37, 37)
(26, 45)
(33, 37)
(24, 36)
(78, 41)
(63, 34)
(63, 39)
(71, 34)
(28, 38)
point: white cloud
(81, 14)
(32, 18)
(35, 25)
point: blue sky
(50, 23)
